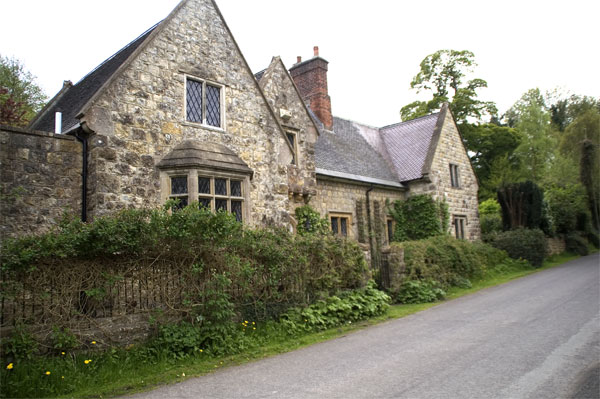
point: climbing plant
(418, 217)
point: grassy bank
(124, 371)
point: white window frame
(204, 83)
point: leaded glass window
(221, 186)
(179, 190)
(203, 103)
(236, 209)
(236, 188)
(340, 225)
(194, 101)
(213, 106)
(221, 194)
(204, 185)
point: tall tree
(488, 144)
(20, 97)
(531, 118)
(444, 73)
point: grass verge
(118, 372)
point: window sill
(202, 126)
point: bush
(337, 310)
(188, 264)
(528, 244)
(431, 266)
(576, 244)
(564, 206)
(420, 291)
(490, 224)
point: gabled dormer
(300, 130)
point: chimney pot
(316, 50)
(299, 59)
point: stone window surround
(455, 176)
(193, 194)
(221, 86)
(339, 215)
(460, 226)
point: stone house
(177, 113)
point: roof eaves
(359, 179)
(155, 30)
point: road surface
(536, 337)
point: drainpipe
(369, 227)
(84, 173)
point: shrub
(189, 264)
(438, 263)
(528, 244)
(337, 310)
(576, 244)
(564, 205)
(420, 291)
(490, 223)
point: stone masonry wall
(462, 201)
(341, 197)
(140, 117)
(40, 179)
(285, 100)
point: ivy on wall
(419, 217)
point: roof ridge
(410, 120)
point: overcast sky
(373, 47)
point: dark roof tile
(71, 102)
(408, 143)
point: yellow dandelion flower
(201, 350)
(63, 377)
(47, 373)
(62, 353)
(87, 361)
(246, 321)
(254, 328)
(10, 366)
(93, 342)
(253, 323)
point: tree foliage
(531, 118)
(20, 97)
(487, 144)
(445, 73)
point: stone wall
(340, 197)
(40, 179)
(293, 116)
(140, 117)
(462, 200)
(555, 246)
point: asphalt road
(536, 337)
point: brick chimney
(311, 79)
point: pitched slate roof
(345, 153)
(409, 144)
(71, 101)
